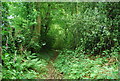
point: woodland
(60, 40)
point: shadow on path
(50, 56)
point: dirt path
(52, 72)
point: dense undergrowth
(27, 66)
(77, 65)
(86, 34)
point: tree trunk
(37, 28)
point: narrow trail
(50, 57)
(52, 72)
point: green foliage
(18, 23)
(86, 33)
(27, 66)
(58, 33)
(75, 65)
(89, 27)
(0, 71)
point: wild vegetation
(60, 40)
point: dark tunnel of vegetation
(73, 28)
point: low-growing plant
(23, 67)
(75, 65)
